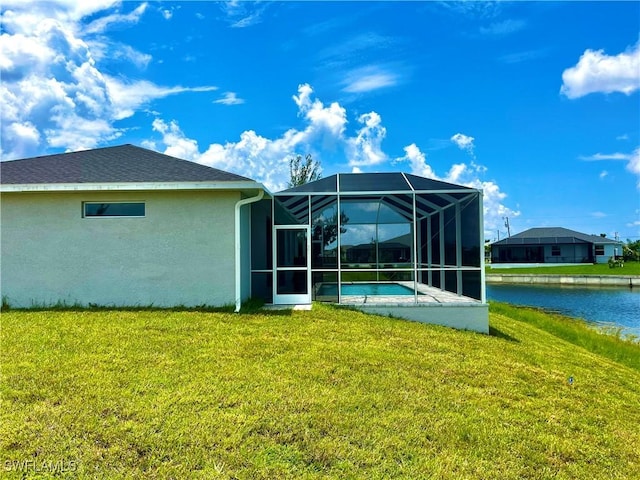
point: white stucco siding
(180, 253)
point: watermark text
(33, 465)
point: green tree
(631, 251)
(303, 171)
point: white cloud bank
(266, 160)
(53, 93)
(598, 72)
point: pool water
(331, 289)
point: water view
(611, 307)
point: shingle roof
(120, 164)
(552, 235)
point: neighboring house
(126, 226)
(554, 245)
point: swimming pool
(331, 289)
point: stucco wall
(609, 251)
(180, 253)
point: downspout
(239, 205)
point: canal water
(606, 306)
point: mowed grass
(630, 268)
(329, 393)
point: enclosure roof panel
(375, 182)
(423, 183)
(324, 185)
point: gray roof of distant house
(552, 236)
(120, 164)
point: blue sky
(538, 104)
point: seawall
(631, 281)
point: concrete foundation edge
(584, 280)
(461, 317)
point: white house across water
(125, 226)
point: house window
(555, 251)
(599, 249)
(113, 209)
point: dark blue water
(610, 307)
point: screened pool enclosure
(385, 236)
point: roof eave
(132, 186)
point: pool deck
(427, 295)
(433, 306)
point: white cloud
(18, 51)
(103, 23)
(365, 149)
(230, 98)
(260, 158)
(29, 135)
(167, 13)
(598, 214)
(632, 159)
(266, 160)
(127, 53)
(505, 27)
(240, 14)
(596, 157)
(54, 92)
(369, 78)
(474, 9)
(177, 144)
(127, 97)
(456, 172)
(367, 83)
(332, 119)
(603, 174)
(417, 161)
(634, 164)
(467, 175)
(597, 72)
(464, 142)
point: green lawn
(630, 268)
(329, 393)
